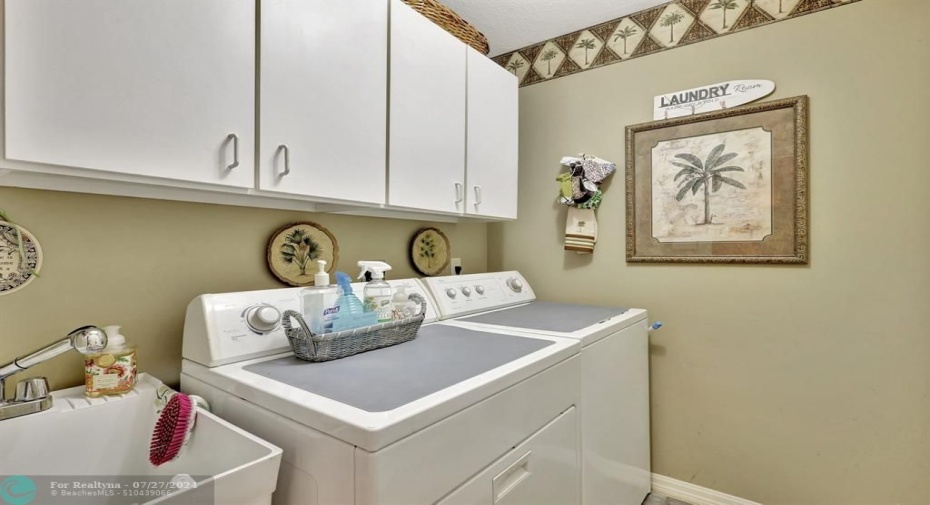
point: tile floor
(654, 499)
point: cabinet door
(491, 173)
(427, 111)
(149, 87)
(324, 97)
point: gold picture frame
(294, 248)
(729, 186)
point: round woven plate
(294, 249)
(430, 251)
(15, 272)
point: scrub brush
(172, 429)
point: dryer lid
(547, 316)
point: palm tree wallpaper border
(667, 26)
(294, 249)
(708, 188)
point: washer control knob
(262, 318)
(480, 289)
(515, 284)
(451, 293)
(466, 290)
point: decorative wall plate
(430, 251)
(295, 248)
(15, 270)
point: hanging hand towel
(580, 230)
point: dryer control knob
(466, 290)
(515, 284)
(451, 293)
(480, 289)
(262, 318)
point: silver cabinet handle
(235, 141)
(477, 195)
(458, 192)
(287, 159)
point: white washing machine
(614, 408)
(456, 416)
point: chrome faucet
(32, 394)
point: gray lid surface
(548, 316)
(388, 378)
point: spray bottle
(377, 292)
(349, 312)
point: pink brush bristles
(170, 429)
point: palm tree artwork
(586, 44)
(548, 56)
(727, 5)
(428, 249)
(625, 33)
(300, 249)
(670, 20)
(515, 65)
(695, 174)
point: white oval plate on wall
(15, 271)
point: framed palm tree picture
(728, 186)
(295, 248)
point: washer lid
(372, 431)
(388, 378)
(547, 316)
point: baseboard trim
(692, 493)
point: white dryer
(456, 416)
(614, 408)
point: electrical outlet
(456, 266)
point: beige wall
(784, 385)
(138, 262)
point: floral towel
(580, 186)
(595, 169)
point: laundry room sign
(722, 95)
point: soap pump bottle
(377, 292)
(399, 302)
(113, 370)
(318, 300)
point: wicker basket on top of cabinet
(451, 22)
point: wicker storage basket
(309, 346)
(451, 22)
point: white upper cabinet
(492, 139)
(159, 88)
(323, 107)
(427, 118)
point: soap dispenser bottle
(377, 292)
(401, 301)
(317, 302)
(113, 370)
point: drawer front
(543, 469)
(427, 465)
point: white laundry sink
(77, 451)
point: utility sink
(95, 450)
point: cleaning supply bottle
(348, 313)
(401, 303)
(318, 300)
(113, 370)
(377, 292)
